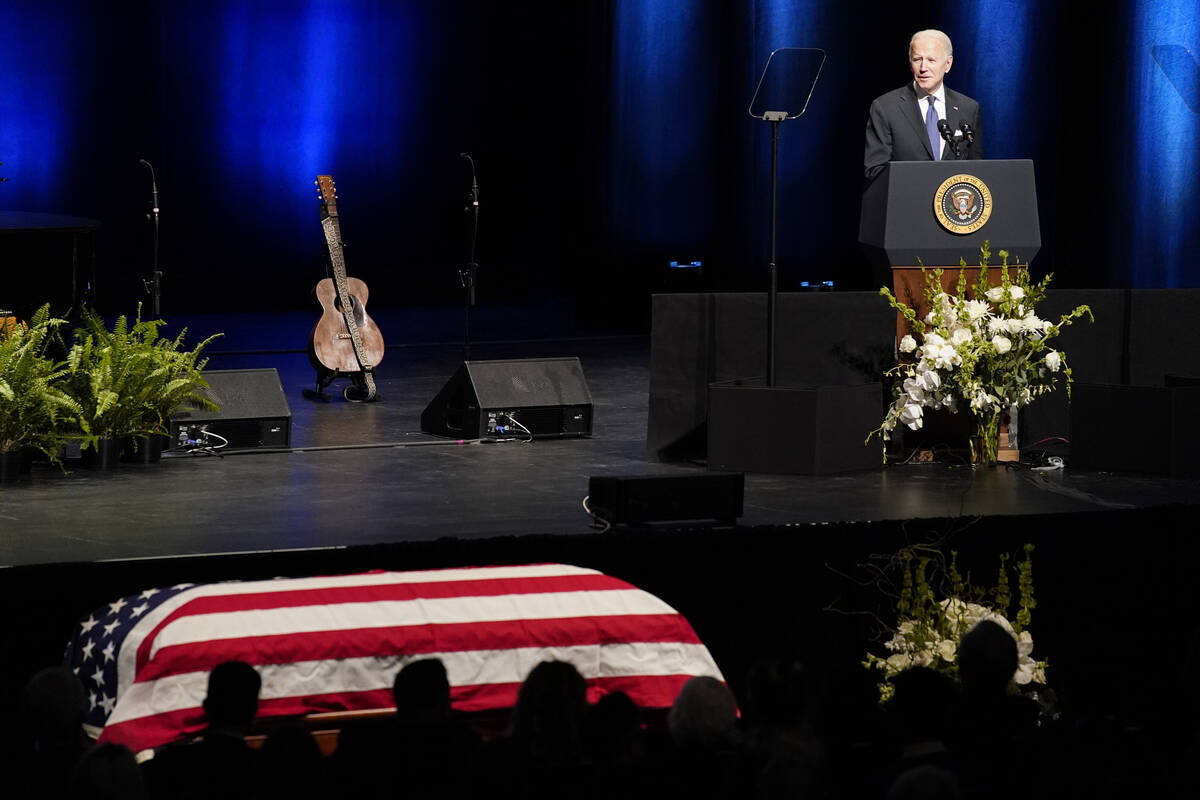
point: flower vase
(14, 464)
(104, 454)
(143, 450)
(985, 440)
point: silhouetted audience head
(987, 659)
(548, 717)
(291, 763)
(925, 783)
(232, 699)
(703, 716)
(922, 705)
(422, 689)
(53, 705)
(775, 692)
(613, 727)
(796, 766)
(107, 772)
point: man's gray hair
(932, 34)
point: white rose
(995, 294)
(935, 339)
(1053, 361)
(947, 650)
(1016, 292)
(1001, 344)
(908, 344)
(1014, 326)
(960, 337)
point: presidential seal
(962, 204)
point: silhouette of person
(543, 754)
(53, 704)
(219, 762)
(108, 771)
(425, 744)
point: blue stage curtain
(611, 136)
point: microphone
(948, 134)
(153, 186)
(474, 184)
(965, 127)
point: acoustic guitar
(345, 342)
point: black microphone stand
(774, 117)
(467, 275)
(792, 83)
(154, 285)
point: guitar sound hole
(356, 309)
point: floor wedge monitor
(519, 398)
(253, 412)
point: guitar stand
(354, 393)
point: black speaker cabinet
(254, 411)
(1135, 428)
(807, 431)
(538, 397)
(667, 498)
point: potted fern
(128, 381)
(176, 382)
(36, 413)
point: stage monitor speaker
(1135, 428)
(254, 411)
(781, 430)
(667, 498)
(538, 397)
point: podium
(934, 213)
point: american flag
(336, 643)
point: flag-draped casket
(336, 643)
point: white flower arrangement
(928, 630)
(984, 349)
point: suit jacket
(896, 129)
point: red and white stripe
(336, 643)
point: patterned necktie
(935, 138)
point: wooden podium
(939, 213)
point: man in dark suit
(903, 124)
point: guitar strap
(366, 378)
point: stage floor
(364, 474)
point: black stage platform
(364, 474)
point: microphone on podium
(948, 134)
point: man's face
(929, 61)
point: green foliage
(935, 606)
(35, 411)
(128, 381)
